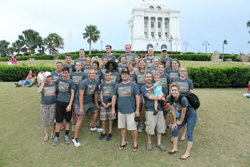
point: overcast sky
(200, 20)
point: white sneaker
(76, 142)
(93, 129)
(99, 129)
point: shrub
(19, 54)
(36, 57)
(192, 57)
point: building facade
(154, 25)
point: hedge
(202, 77)
(36, 57)
(193, 57)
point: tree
(31, 39)
(18, 45)
(4, 47)
(53, 42)
(91, 34)
(224, 43)
(248, 25)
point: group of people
(12, 60)
(122, 89)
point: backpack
(191, 97)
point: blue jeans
(190, 119)
(23, 82)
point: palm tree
(18, 45)
(3, 47)
(31, 39)
(248, 25)
(91, 34)
(224, 43)
(53, 42)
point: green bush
(19, 54)
(202, 77)
(36, 57)
(192, 57)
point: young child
(106, 89)
(66, 92)
(157, 91)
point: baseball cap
(41, 69)
(164, 49)
(46, 74)
(125, 70)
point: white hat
(46, 74)
(164, 49)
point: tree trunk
(90, 47)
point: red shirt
(248, 88)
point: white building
(142, 27)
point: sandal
(182, 139)
(135, 148)
(122, 147)
(185, 158)
(172, 151)
(46, 138)
(52, 137)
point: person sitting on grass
(157, 91)
(188, 116)
(106, 89)
(30, 77)
(66, 92)
(48, 104)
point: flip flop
(122, 147)
(172, 152)
(46, 139)
(135, 148)
(52, 137)
(185, 158)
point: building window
(152, 24)
(164, 46)
(151, 8)
(146, 34)
(149, 46)
(152, 34)
(166, 34)
(158, 7)
(159, 24)
(159, 34)
(166, 24)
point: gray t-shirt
(165, 80)
(86, 69)
(132, 77)
(126, 100)
(168, 64)
(173, 74)
(71, 67)
(149, 61)
(48, 95)
(115, 77)
(81, 60)
(64, 89)
(89, 89)
(77, 78)
(98, 76)
(111, 57)
(140, 79)
(184, 103)
(149, 104)
(54, 75)
(153, 70)
(107, 90)
(103, 72)
(185, 85)
(130, 57)
(120, 68)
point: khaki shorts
(153, 121)
(104, 113)
(127, 121)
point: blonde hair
(175, 84)
(186, 71)
(128, 45)
(157, 75)
(138, 67)
(179, 64)
(131, 63)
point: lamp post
(206, 45)
(176, 43)
(185, 43)
(171, 39)
(101, 44)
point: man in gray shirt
(149, 59)
(127, 96)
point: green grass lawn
(221, 135)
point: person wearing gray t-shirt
(126, 94)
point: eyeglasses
(183, 71)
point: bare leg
(149, 138)
(156, 104)
(52, 130)
(45, 131)
(134, 134)
(98, 117)
(175, 143)
(73, 117)
(183, 135)
(110, 126)
(78, 127)
(67, 127)
(159, 135)
(141, 114)
(104, 126)
(94, 117)
(123, 133)
(189, 147)
(58, 127)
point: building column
(149, 27)
(163, 28)
(178, 28)
(142, 18)
(169, 27)
(156, 28)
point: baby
(157, 91)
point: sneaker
(73, 128)
(66, 138)
(102, 136)
(109, 137)
(170, 125)
(56, 141)
(140, 129)
(76, 142)
(93, 129)
(99, 129)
